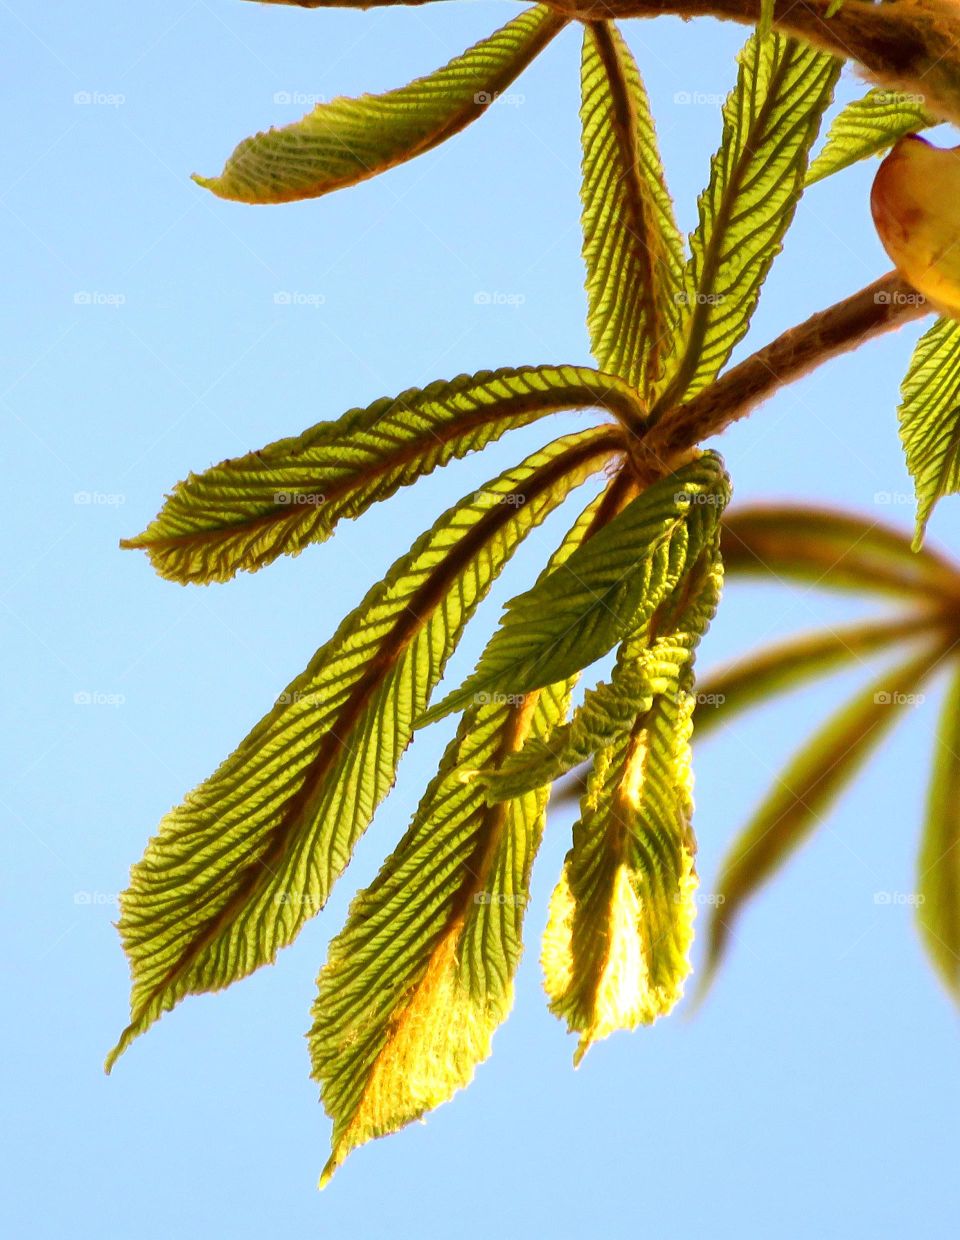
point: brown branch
(878, 308)
(910, 45)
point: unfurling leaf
(349, 140)
(806, 790)
(770, 121)
(422, 974)
(834, 550)
(582, 609)
(930, 418)
(938, 881)
(243, 513)
(868, 126)
(615, 951)
(253, 852)
(631, 246)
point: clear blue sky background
(816, 1094)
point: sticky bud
(915, 202)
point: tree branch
(912, 45)
(881, 306)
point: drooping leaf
(422, 974)
(868, 126)
(770, 121)
(805, 792)
(938, 877)
(835, 550)
(647, 665)
(243, 513)
(582, 609)
(253, 852)
(615, 951)
(631, 246)
(930, 418)
(348, 140)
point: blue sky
(816, 1093)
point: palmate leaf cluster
(421, 975)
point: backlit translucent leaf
(938, 871)
(422, 974)
(632, 250)
(582, 609)
(252, 853)
(868, 126)
(803, 795)
(770, 121)
(615, 951)
(348, 140)
(930, 418)
(243, 513)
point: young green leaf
(244, 513)
(930, 418)
(770, 121)
(806, 790)
(631, 246)
(938, 882)
(420, 977)
(615, 951)
(647, 664)
(835, 550)
(868, 126)
(582, 609)
(254, 851)
(349, 140)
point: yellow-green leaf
(930, 418)
(420, 977)
(243, 513)
(938, 880)
(615, 951)
(770, 121)
(582, 609)
(868, 126)
(631, 246)
(253, 852)
(833, 549)
(348, 140)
